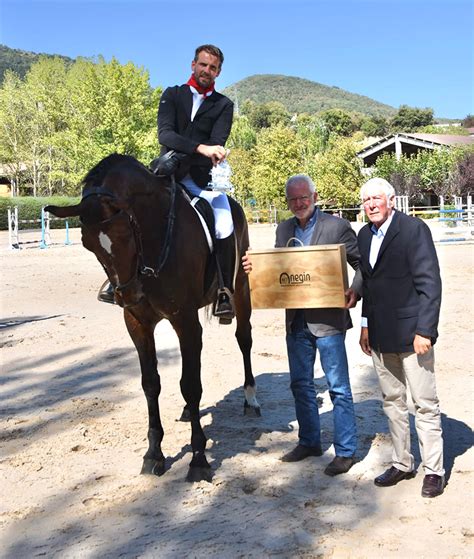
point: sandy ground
(73, 432)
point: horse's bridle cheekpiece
(142, 268)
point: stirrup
(107, 293)
(224, 306)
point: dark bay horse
(154, 250)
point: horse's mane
(98, 173)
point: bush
(30, 208)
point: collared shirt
(377, 239)
(305, 234)
(375, 244)
(198, 99)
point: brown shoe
(340, 465)
(433, 486)
(301, 452)
(392, 476)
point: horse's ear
(65, 211)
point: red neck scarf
(204, 92)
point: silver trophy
(220, 177)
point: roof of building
(444, 139)
(410, 143)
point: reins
(146, 270)
(142, 268)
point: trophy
(220, 177)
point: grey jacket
(328, 230)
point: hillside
(20, 60)
(299, 95)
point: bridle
(141, 269)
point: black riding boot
(225, 260)
(106, 293)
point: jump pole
(67, 241)
(44, 228)
(13, 241)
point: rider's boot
(106, 293)
(225, 260)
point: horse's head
(116, 191)
(110, 231)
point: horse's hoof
(151, 466)
(248, 410)
(199, 473)
(185, 416)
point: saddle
(205, 214)
(223, 259)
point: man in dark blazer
(194, 122)
(323, 330)
(400, 313)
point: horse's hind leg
(189, 331)
(141, 331)
(243, 333)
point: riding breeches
(219, 204)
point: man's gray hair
(386, 187)
(300, 178)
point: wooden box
(298, 277)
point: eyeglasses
(303, 199)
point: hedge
(30, 208)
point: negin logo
(294, 279)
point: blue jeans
(302, 346)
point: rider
(194, 122)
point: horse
(153, 248)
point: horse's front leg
(243, 333)
(189, 331)
(141, 331)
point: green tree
(113, 109)
(266, 114)
(46, 86)
(313, 134)
(409, 119)
(61, 120)
(444, 172)
(448, 130)
(338, 122)
(128, 109)
(241, 162)
(15, 109)
(242, 135)
(338, 175)
(374, 126)
(277, 156)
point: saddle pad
(205, 214)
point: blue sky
(413, 52)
